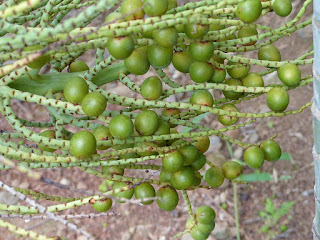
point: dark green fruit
(165, 176)
(93, 104)
(189, 153)
(214, 177)
(172, 4)
(78, 66)
(180, 28)
(282, 8)
(247, 32)
(168, 198)
(216, 26)
(199, 162)
(124, 194)
(202, 143)
(102, 205)
(144, 190)
(196, 181)
(171, 112)
(173, 162)
(102, 133)
(269, 53)
(226, 120)
(254, 157)
(231, 170)
(289, 74)
(201, 72)
(238, 72)
(182, 61)
(182, 179)
(137, 63)
(278, 99)
(271, 149)
(166, 37)
(146, 123)
(231, 94)
(83, 144)
(202, 97)
(201, 51)
(48, 134)
(121, 127)
(206, 228)
(155, 7)
(249, 11)
(163, 129)
(120, 47)
(160, 56)
(112, 170)
(252, 80)
(205, 215)
(217, 59)
(196, 234)
(115, 17)
(132, 7)
(151, 88)
(194, 31)
(218, 76)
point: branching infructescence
(207, 39)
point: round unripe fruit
(254, 157)
(189, 153)
(195, 31)
(168, 198)
(102, 205)
(238, 72)
(289, 74)
(272, 150)
(124, 194)
(228, 120)
(172, 4)
(171, 112)
(173, 162)
(112, 170)
(83, 144)
(247, 32)
(218, 76)
(231, 94)
(199, 162)
(137, 63)
(120, 47)
(146, 123)
(115, 17)
(183, 178)
(269, 53)
(201, 72)
(214, 177)
(166, 37)
(196, 181)
(131, 7)
(160, 56)
(205, 215)
(252, 80)
(151, 88)
(277, 99)
(282, 8)
(163, 129)
(78, 66)
(121, 127)
(196, 234)
(48, 134)
(206, 228)
(202, 143)
(202, 97)
(231, 170)
(155, 7)
(201, 51)
(249, 11)
(144, 190)
(101, 133)
(165, 176)
(93, 104)
(182, 61)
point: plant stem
(236, 210)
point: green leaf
(285, 156)
(255, 177)
(195, 120)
